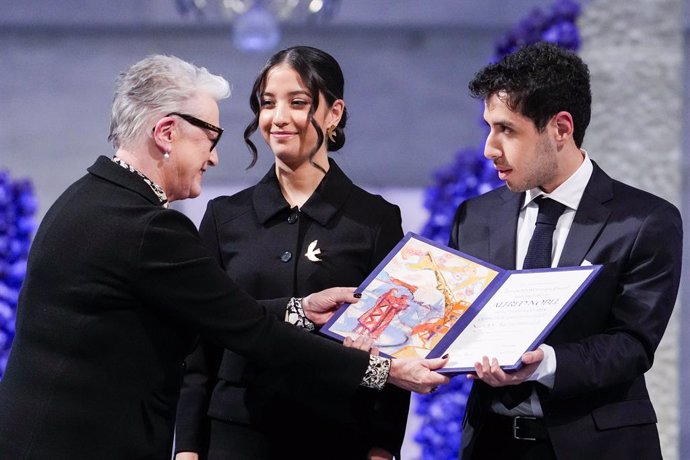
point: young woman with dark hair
(304, 227)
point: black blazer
(599, 406)
(117, 288)
(261, 243)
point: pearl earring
(166, 155)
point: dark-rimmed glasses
(201, 124)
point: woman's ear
(164, 133)
(335, 112)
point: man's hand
(492, 374)
(320, 306)
(418, 374)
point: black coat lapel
(503, 237)
(590, 218)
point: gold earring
(331, 133)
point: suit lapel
(503, 236)
(590, 218)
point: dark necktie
(538, 256)
(540, 245)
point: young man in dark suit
(582, 394)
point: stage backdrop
(17, 208)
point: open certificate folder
(426, 300)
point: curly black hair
(321, 74)
(539, 81)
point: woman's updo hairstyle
(321, 74)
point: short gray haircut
(154, 87)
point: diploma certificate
(426, 300)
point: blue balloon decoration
(470, 175)
(17, 208)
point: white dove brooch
(313, 252)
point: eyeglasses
(201, 124)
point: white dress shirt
(568, 193)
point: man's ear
(564, 126)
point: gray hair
(154, 87)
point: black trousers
(230, 441)
(497, 440)
(236, 442)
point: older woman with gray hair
(119, 287)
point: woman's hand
(320, 306)
(364, 342)
(187, 456)
(418, 374)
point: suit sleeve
(643, 296)
(178, 277)
(392, 404)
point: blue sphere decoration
(256, 30)
(470, 175)
(17, 208)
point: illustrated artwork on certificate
(415, 299)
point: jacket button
(292, 218)
(286, 256)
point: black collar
(106, 169)
(324, 203)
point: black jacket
(262, 243)
(117, 289)
(599, 406)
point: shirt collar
(321, 206)
(569, 192)
(157, 189)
